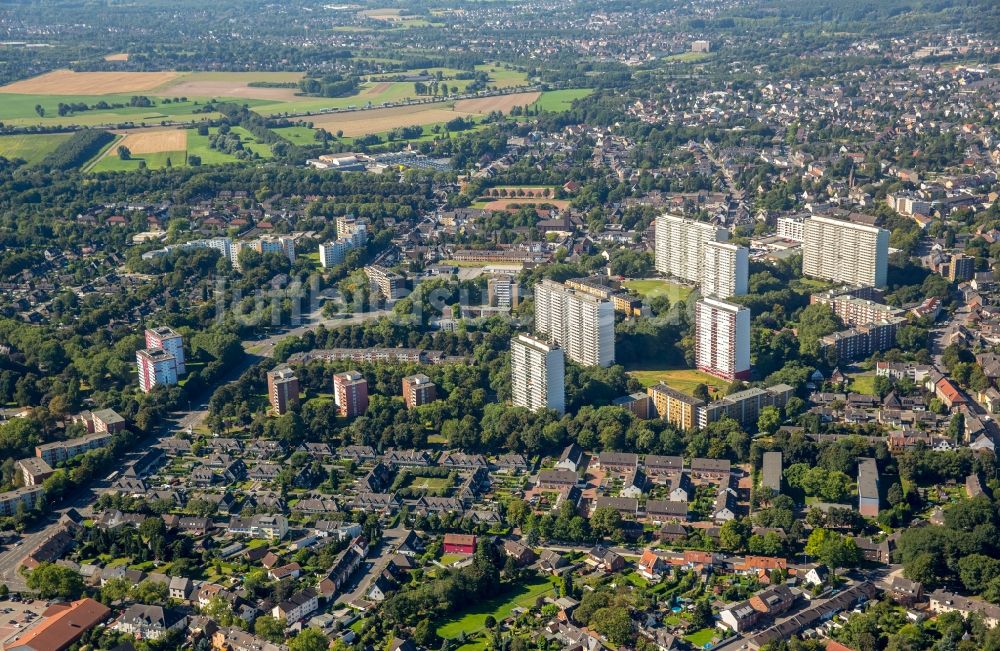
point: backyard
(501, 607)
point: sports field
(503, 204)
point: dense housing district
(508, 326)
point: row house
(619, 462)
(412, 458)
(340, 572)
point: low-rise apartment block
(54, 453)
(10, 500)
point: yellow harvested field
(121, 56)
(234, 84)
(67, 82)
(359, 123)
(206, 88)
(502, 103)
(152, 141)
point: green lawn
(473, 619)
(862, 384)
(682, 379)
(430, 483)
(690, 57)
(196, 144)
(111, 162)
(297, 135)
(699, 639)
(561, 100)
(18, 109)
(653, 287)
(501, 77)
(30, 147)
(199, 146)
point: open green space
(561, 100)
(503, 77)
(682, 379)
(653, 287)
(699, 639)
(158, 160)
(690, 57)
(297, 135)
(18, 109)
(30, 147)
(501, 607)
(197, 145)
(430, 483)
(862, 384)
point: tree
(124, 152)
(956, 428)
(881, 385)
(895, 494)
(833, 549)
(40, 110)
(424, 634)
(52, 581)
(270, 628)
(310, 639)
(614, 623)
(769, 420)
(701, 392)
(701, 616)
(733, 535)
(977, 571)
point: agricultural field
(653, 287)
(561, 100)
(31, 148)
(234, 84)
(682, 379)
(154, 147)
(38, 108)
(359, 123)
(68, 82)
(47, 91)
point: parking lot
(16, 617)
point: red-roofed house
(459, 543)
(949, 394)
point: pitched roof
(64, 624)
